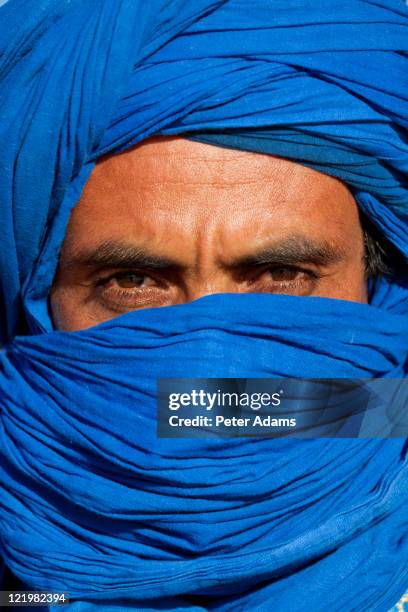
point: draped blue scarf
(92, 502)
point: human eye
(291, 280)
(130, 290)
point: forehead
(183, 185)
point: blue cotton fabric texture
(91, 502)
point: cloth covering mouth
(122, 516)
(91, 501)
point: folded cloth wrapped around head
(91, 501)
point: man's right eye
(127, 280)
(130, 290)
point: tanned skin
(173, 220)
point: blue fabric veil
(91, 501)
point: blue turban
(92, 502)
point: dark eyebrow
(293, 250)
(289, 251)
(117, 255)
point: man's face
(173, 220)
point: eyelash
(119, 298)
(104, 280)
(312, 274)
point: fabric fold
(92, 502)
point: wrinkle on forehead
(171, 188)
(190, 183)
(206, 219)
(174, 160)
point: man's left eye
(282, 274)
(292, 280)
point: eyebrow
(292, 250)
(288, 251)
(120, 255)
